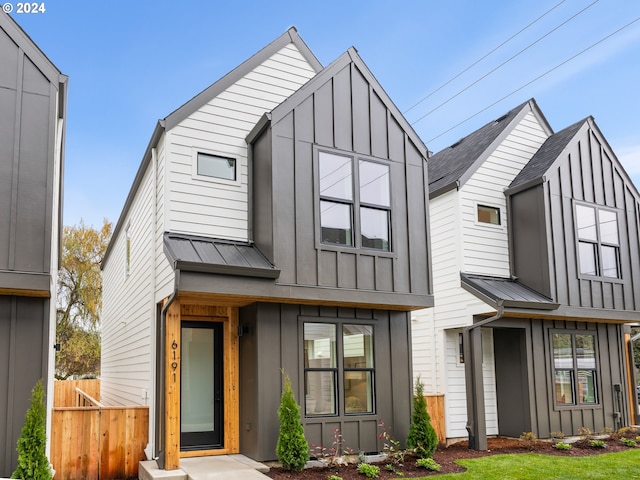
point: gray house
(278, 222)
(535, 283)
(32, 114)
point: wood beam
(172, 388)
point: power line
(537, 78)
(503, 63)
(483, 57)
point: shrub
(337, 454)
(391, 446)
(32, 459)
(529, 437)
(429, 464)
(292, 448)
(557, 435)
(422, 436)
(628, 442)
(562, 446)
(392, 468)
(370, 471)
(598, 443)
(334, 477)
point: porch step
(149, 470)
(227, 467)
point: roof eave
(235, 270)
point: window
(488, 214)
(598, 241)
(354, 217)
(323, 365)
(574, 361)
(216, 166)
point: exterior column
(476, 421)
(172, 388)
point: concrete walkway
(206, 468)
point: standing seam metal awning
(508, 292)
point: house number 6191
(174, 364)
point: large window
(349, 216)
(598, 241)
(329, 356)
(574, 361)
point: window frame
(339, 392)
(575, 370)
(195, 175)
(355, 204)
(479, 222)
(598, 245)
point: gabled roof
(506, 292)
(351, 55)
(546, 156)
(211, 255)
(197, 102)
(452, 167)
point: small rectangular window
(489, 214)
(216, 166)
(574, 360)
(320, 368)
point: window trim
(598, 243)
(574, 371)
(501, 225)
(354, 203)
(209, 179)
(339, 370)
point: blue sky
(131, 63)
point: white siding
(220, 209)
(164, 272)
(485, 246)
(128, 310)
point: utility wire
(483, 57)
(503, 63)
(538, 77)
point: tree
(636, 347)
(32, 459)
(292, 448)
(80, 300)
(422, 436)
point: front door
(201, 402)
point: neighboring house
(32, 114)
(278, 223)
(536, 271)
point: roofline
(177, 116)
(201, 99)
(526, 185)
(234, 270)
(350, 56)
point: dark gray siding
(586, 171)
(27, 130)
(273, 342)
(345, 113)
(544, 415)
(24, 338)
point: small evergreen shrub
(33, 463)
(562, 446)
(422, 436)
(368, 470)
(429, 464)
(292, 448)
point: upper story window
(215, 166)
(574, 361)
(598, 241)
(350, 216)
(488, 214)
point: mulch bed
(447, 456)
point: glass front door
(201, 402)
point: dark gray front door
(201, 402)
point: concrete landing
(206, 468)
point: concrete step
(227, 467)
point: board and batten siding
(485, 247)
(220, 209)
(128, 308)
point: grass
(535, 466)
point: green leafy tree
(80, 300)
(33, 463)
(292, 448)
(422, 436)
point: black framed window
(598, 241)
(322, 367)
(487, 214)
(574, 361)
(349, 216)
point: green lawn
(620, 465)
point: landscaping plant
(562, 446)
(292, 448)
(33, 463)
(422, 436)
(368, 470)
(429, 464)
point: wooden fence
(64, 391)
(435, 407)
(95, 442)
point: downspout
(160, 404)
(472, 340)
